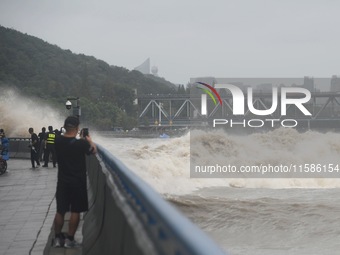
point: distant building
(335, 83)
(144, 67)
(308, 83)
(239, 84)
(209, 80)
(264, 87)
(154, 70)
(212, 81)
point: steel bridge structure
(185, 110)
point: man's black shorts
(71, 198)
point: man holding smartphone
(71, 192)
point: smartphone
(85, 132)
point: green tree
(42, 70)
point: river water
(246, 216)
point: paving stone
(24, 206)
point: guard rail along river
(126, 216)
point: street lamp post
(160, 114)
(76, 109)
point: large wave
(18, 113)
(164, 163)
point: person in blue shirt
(4, 147)
(4, 154)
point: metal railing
(18, 147)
(127, 216)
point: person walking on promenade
(71, 192)
(42, 137)
(49, 147)
(34, 145)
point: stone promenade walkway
(27, 209)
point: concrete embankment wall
(127, 216)
(18, 148)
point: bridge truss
(185, 110)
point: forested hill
(40, 69)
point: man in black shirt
(42, 137)
(34, 145)
(71, 192)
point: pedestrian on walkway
(71, 192)
(34, 145)
(4, 151)
(49, 147)
(42, 137)
(4, 145)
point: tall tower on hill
(144, 67)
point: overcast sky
(191, 38)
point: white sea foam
(164, 163)
(19, 113)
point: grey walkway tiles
(27, 209)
